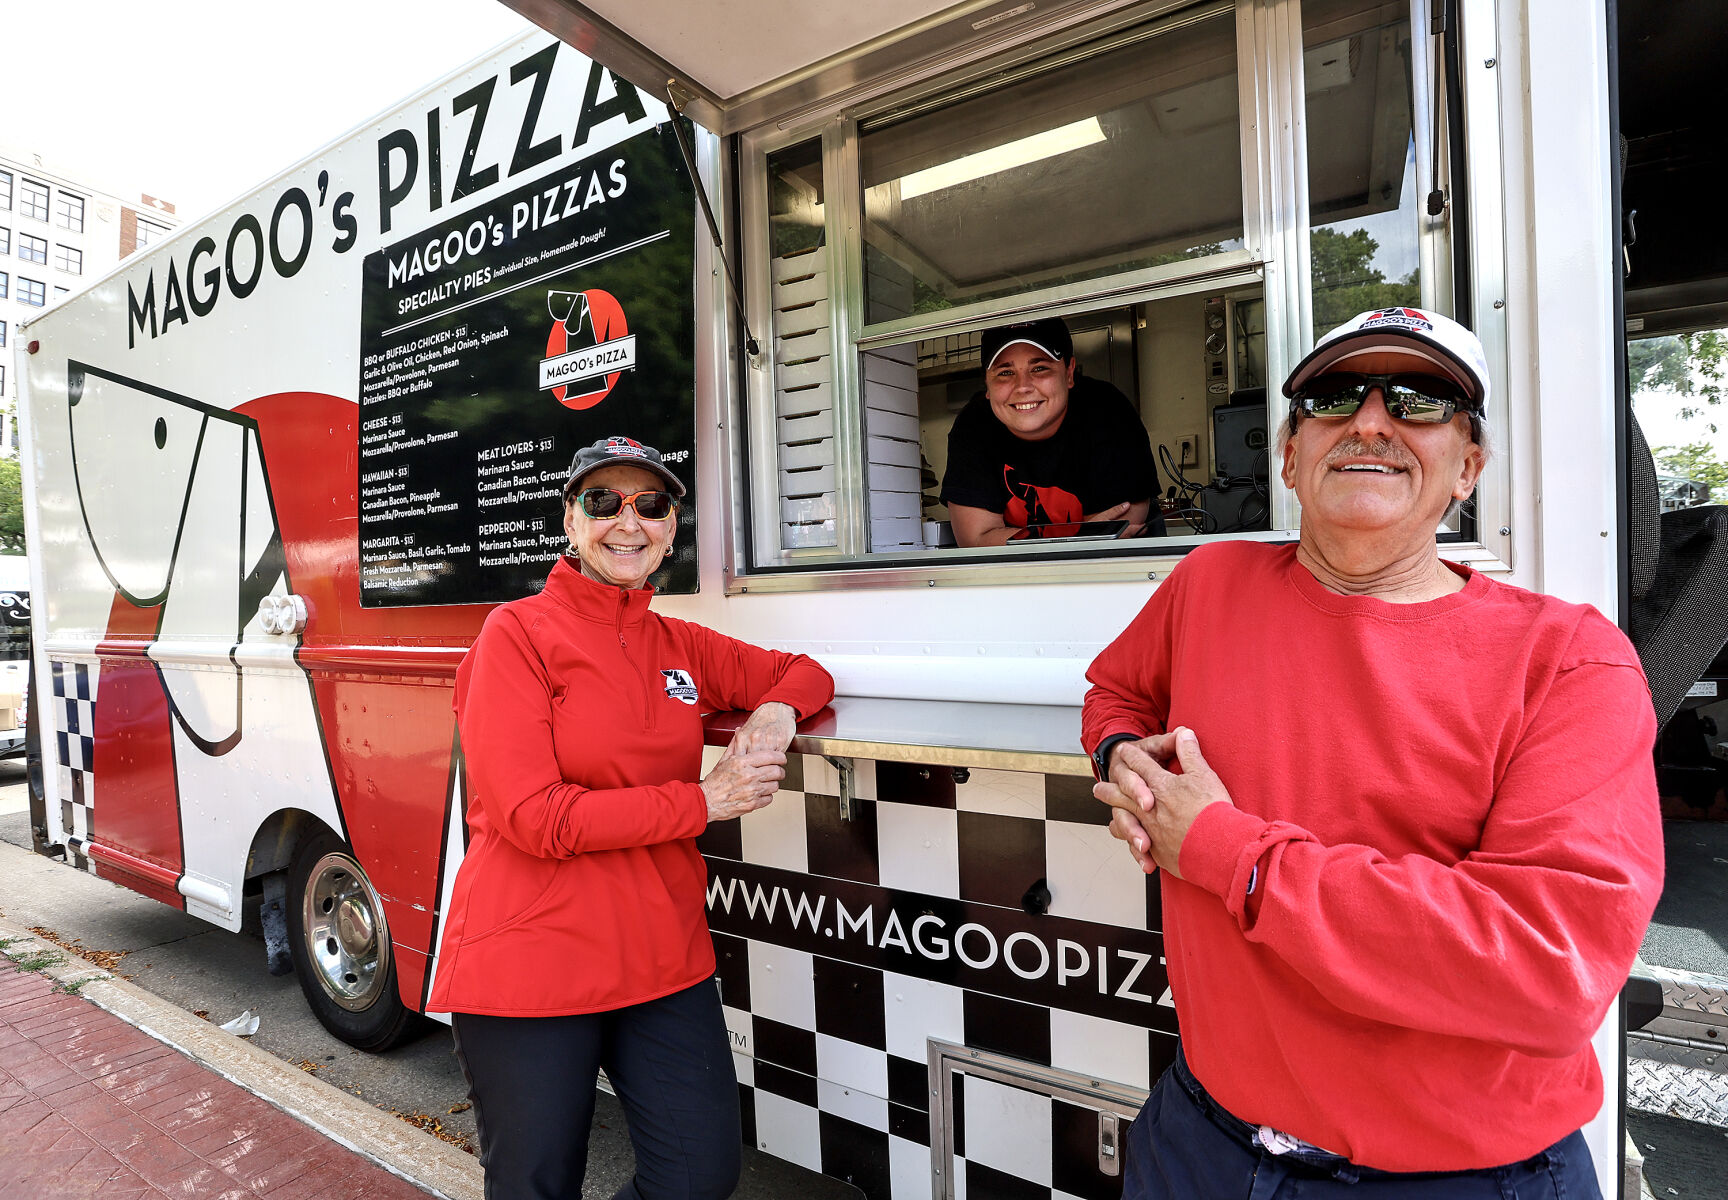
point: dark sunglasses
(603, 504)
(1427, 399)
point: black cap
(1049, 335)
(619, 450)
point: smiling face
(1369, 474)
(1028, 391)
(624, 550)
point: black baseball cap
(1049, 335)
(620, 450)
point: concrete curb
(440, 1168)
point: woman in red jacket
(577, 936)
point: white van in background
(14, 651)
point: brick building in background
(57, 234)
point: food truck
(280, 466)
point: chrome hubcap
(346, 938)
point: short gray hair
(1480, 432)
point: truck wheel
(341, 948)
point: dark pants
(1185, 1147)
(532, 1082)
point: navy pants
(532, 1082)
(1185, 1147)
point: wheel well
(277, 839)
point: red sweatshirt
(1443, 850)
(580, 712)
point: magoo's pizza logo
(679, 685)
(1405, 318)
(589, 349)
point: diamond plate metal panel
(1678, 1091)
(1692, 991)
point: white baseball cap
(1439, 339)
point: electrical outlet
(1188, 450)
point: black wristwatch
(1101, 756)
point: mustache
(1356, 447)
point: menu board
(496, 345)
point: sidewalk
(98, 1101)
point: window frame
(35, 246)
(158, 230)
(63, 209)
(1276, 226)
(27, 288)
(5, 285)
(5, 240)
(69, 259)
(25, 196)
(6, 190)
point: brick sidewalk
(92, 1107)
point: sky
(198, 101)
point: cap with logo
(629, 452)
(1049, 335)
(1439, 339)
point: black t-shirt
(1097, 458)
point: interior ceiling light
(1005, 157)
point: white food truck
(279, 466)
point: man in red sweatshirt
(1406, 816)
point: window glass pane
(31, 291)
(1363, 207)
(70, 212)
(5, 240)
(69, 259)
(1111, 159)
(33, 199)
(149, 231)
(32, 249)
(5, 190)
(2, 285)
(803, 348)
(2, 333)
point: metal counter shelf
(1004, 737)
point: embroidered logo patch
(679, 685)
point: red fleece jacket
(1442, 853)
(580, 712)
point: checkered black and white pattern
(832, 1044)
(75, 751)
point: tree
(1689, 365)
(11, 507)
(1697, 462)
(1346, 282)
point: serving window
(1126, 183)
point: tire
(341, 948)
